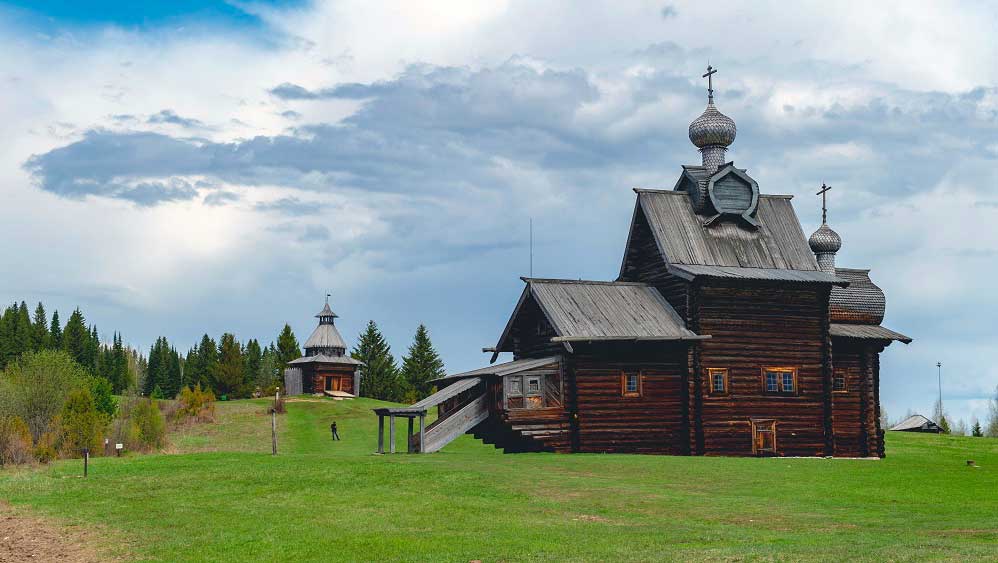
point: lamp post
(939, 375)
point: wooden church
(325, 368)
(726, 332)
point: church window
(779, 380)
(717, 381)
(630, 382)
(839, 383)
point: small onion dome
(825, 240)
(712, 128)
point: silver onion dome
(825, 240)
(712, 128)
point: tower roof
(825, 240)
(712, 128)
(326, 312)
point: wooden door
(764, 437)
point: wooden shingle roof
(861, 302)
(866, 332)
(582, 311)
(778, 244)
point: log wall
(755, 326)
(609, 422)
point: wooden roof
(778, 244)
(861, 302)
(866, 332)
(325, 336)
(503, 369)
(802, 276)
(915, 422)
(599, 311)
(324, 359)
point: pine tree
(421, 365)
(379, 374)
(975, 429)
(40, 329)
(202, 364)
(230, 367)
(253, 359)
(174, 374)
(287, 346)
(24, 333)
(55, 332)
(8, 323)
(76, 338)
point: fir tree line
(381, 376)
(21, 333)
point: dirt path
(29, 538)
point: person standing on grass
(332, 427)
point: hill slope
(321, 500)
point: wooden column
(422, 431)
(826, 375)
(864, 403)
(391, 433)
(695, 299)
(408, 437)
(381, 434)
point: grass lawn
(223, 497)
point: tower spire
(713, 131)
(709, 75)
(825, 242)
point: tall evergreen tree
(76, 338)
(24, 334)
(252, 360)
(379, 375)
(8, 328)
(202, 363)
(55, 332)
(231, 371)
(40, 329)
(287, 346)
(975, 429)
(421, 365)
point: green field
(221, 496)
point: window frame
(840, 374)
(781, 372)
(711, 372)
(624, 374)
(764, 425)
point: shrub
(15, 441)
(150, 424)
(35, 388)
(278, 406)
(103, 394)
(45, 446)
(81, 426)
(196, 404)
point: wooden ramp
(466, 408)
(338, 395)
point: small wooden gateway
(726, 332)
(325, 368)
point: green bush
(150, 424)
(195, 404)
(103, 394)
(15, 441)
(35, 388)
(82, 426)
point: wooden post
(273, 429)
(381, 434)
(422, 431)
(408, 438)
(86, 460)
(391, 433)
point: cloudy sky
(206, 166)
